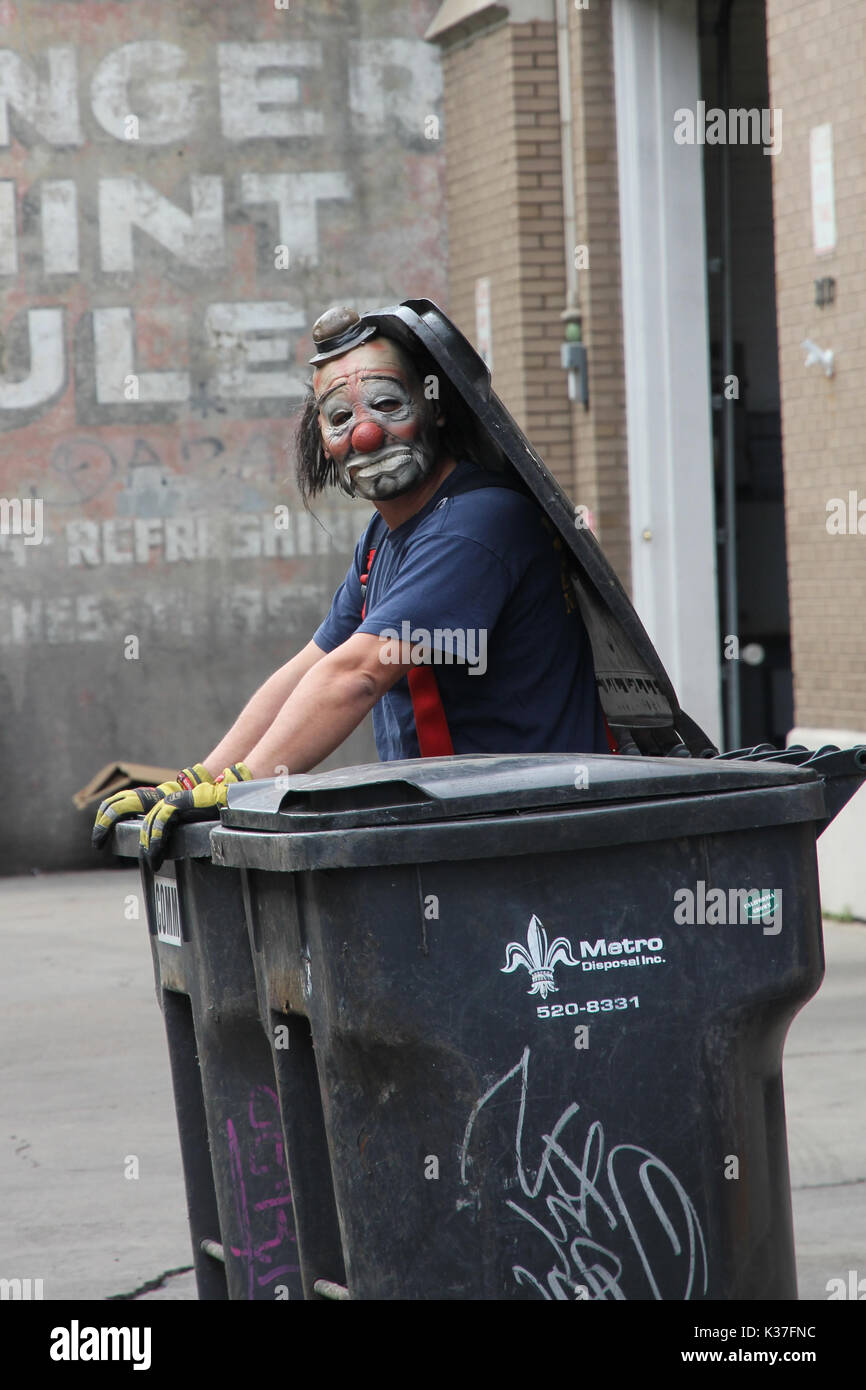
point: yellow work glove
(202, 802)
(137, 801)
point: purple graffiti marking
(261, 1185)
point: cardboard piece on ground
(116, 777)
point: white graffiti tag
(574, 1199)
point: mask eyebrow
(367, 375)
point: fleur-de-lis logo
(539, 959)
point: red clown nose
(367, 437)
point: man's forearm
(323, 710)
(260, 712)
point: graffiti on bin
(603, 1216)
(263, 1200)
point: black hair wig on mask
(461, 436)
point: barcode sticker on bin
(167, 911)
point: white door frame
(666, 338)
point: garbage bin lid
(421, 790)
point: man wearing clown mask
(455, 624)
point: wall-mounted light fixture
(572, 355)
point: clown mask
(375, 422)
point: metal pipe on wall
(572, 299)
(731, 591)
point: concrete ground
(825, 1100)
(85, 1089)
(85, 1086)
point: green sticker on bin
(760, 905)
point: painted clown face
(374, 420)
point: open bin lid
(424, 790)
(636, 693)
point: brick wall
(481, 190)
(816, 54)
(601, 448)
(504, 201)
(505, 220)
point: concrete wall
(185, 187)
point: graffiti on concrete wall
(183, 189)
(103, 229)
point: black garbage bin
(232, 1147)
(537, 1007)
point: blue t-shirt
(476, 581)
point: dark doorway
(747, 433)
